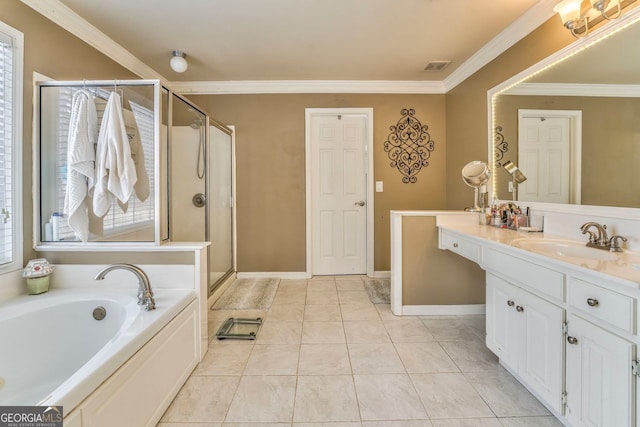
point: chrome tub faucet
(145, 294)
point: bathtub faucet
(145, 294)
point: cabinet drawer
(520, 271)
(461, 246)
(601, 303)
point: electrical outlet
(379, 186)
(510, 186)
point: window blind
(6, 150)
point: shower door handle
(360, 203)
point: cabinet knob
(592, 302)
(455, 245)
(511, 303)
(572, 340)
(519, 309)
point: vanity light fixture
(178, 61)
(570, 12)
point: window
(11, 47)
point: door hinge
(565, 328)
(634, 368)
(563, 398)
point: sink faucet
(602, 241)
(145, 294)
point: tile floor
(326, 356)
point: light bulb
(178, 62)
(569, 11)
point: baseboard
(275, 274)
(442, 310)
(220, 290)
(381, 275)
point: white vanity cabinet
(525, 332)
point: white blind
(6, 151)
(139, 214)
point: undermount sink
(563, 248)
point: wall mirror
(72, 120)
(572, 122)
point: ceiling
(238, 40)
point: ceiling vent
(437, 65)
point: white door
(599, 378)
(541, 364)
(544, 157)
(338, 194)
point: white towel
(115, 170)
(137, 154)
(83, 125)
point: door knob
(360, 203)
(572, 340)
(199, 200)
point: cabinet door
(599, 379)
(503, 325)
(541, 363)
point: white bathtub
(53, 352)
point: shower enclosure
(185, 157)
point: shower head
(196, 124)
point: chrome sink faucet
(145, 294)
(602, 240)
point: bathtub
(53, 351)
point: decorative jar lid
(37, 268)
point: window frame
(17, 169)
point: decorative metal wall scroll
(501, 146)
(409, 146)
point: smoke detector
(436, 65)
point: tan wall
(605, 165)
(270, 141)
(466, 110)
(431, 276)
(56, 53)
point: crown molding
(307, 86)
(537, 15)
(575, 89)
(66, 18)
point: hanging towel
(115, 170)
(83, 125)
(137, 154)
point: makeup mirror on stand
(476, 174)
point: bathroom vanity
(561, 317)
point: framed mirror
(571, 123)
(81, 128)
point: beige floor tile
(388, 397)
(354, 297)
(321, 285)
(263, 399)
(365, 331)
(468, 422)
(322, 333)
(202, 399)
(321, 297)
(286, 313)
(273, 359)
(290, 295)
(450, 330)
(531, 422)
(343, 424)
(224, 360)
(385, 313)
(280, 333)
(255, 425)
(472, 356)
(325, 398)
(324, 359)
(506, 396)
(323, 313)
(449, 396)
(285, 283)
(408, 330)
(350, 285)
(189, 425)
(359, 312)
(323, 278)
(404, 423)
(375, 359)
(425, 357)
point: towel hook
(115, 85)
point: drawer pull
(511, 303)
(572, 340)
(592, 302)
(519, 309)
(455, 245)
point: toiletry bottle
(48, 231)
(55, 220)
